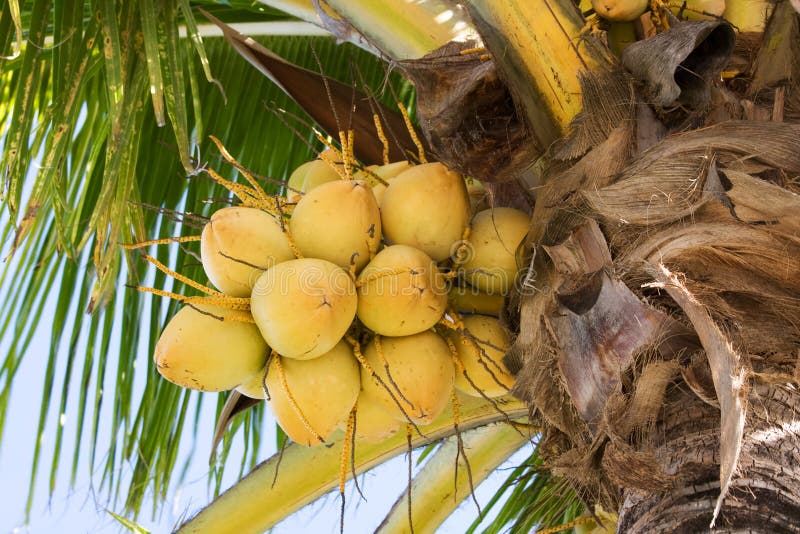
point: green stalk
(302, 9)
(436, 491)
(403, 29)
(255, 504)
(537, 49)
(398, 29)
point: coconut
(384, 172)
(303, 307)
(481, 350)
(478, 196)
(491, 264)
(421, 378)
(620, 10)
(339, 222)
(324, 390)
(401, 292)
(373, 423)
(254, 387)
(203, 348)
(702, 10)
(238, 244)
(469, 300)
(427, 207)
(309, 175)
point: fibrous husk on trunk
(468, 116)
(728, 374)
(776, 70)
(675, 178)
(599, 325)
(702, 230)
(679, 65)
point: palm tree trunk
(678, 411)
(765, 497)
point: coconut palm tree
(655, 310)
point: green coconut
(238, 244)
(339, 222)
(481, 352)
(421, 380)
(303, 307)
(496, 235)
(427, 207)
(203, 348)
(324, 389)
(401, 292)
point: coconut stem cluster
(362, 299)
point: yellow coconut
(373, 423)
(478, 196)
(401, 292)
(324, 390)
(496, 235)
(427, 207)
(385, 173)
(620, 10)
(203, 348)
(308, 176)
(254, 387)
(465, 299)
(420, 375)
(481, 350)
(238, 244)
(339, 222)
(700, 9)
(303, 307)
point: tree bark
(764, 497)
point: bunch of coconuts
(361, 302)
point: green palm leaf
(268, 495)
(104, 154)
(105, 115)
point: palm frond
(82, 153)
(283, 483)
(451, 475)
(529, 499)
